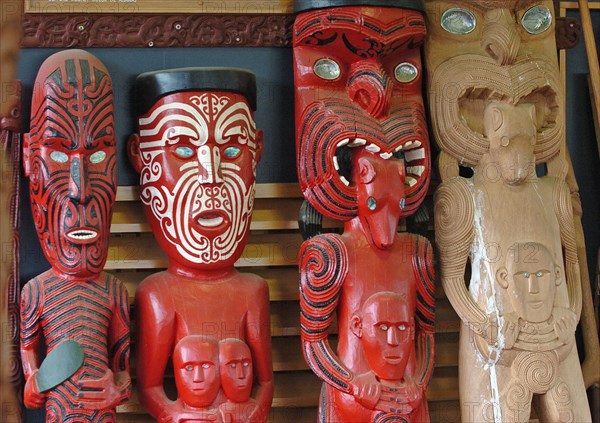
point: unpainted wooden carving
(196, 152)
(497, 107)
(363, 158)
(74, 308)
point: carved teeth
(357, 142)
(345, 181)
(386, 156)
(343, 142)
(408, 144)
(372, 148)
(414, 154)
(410, 181)
(399, 148)
(415, 170)
(335, 163)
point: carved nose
(534, 285)
(501, 41)
(209, 165)
(78, 181)
(240, 371)
(392, 336)
(370, 87)
(198, 374)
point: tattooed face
(70, 159)
(197, 154)
(358, 85)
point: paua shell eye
(537, 20)
(97, 157)
(327, 69)
(59, 157)
(184, 152)
(231, 152)
(458, 21)
(406, 72)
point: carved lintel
(128, 30)
(568, 32)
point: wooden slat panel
(142, 252)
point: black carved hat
(151, 86)
(306, 5)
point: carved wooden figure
(363, 157)
(70, 159)
(197, 151)
(497, 107)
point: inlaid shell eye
(184, 152)
(526, 275)
(327, 69)
(402, 203)
(539, 274)
(189, 368)
(372, 203)
(537, 20)
(231, 152)
(233, 365)
(97, 157)
(205, 366)
(406, 72)
(402, 327)
(383, 327)
(59, 157)
(458, 21)
(246, 364)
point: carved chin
(463, 86)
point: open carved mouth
(412, 151)
(211, 219)
(474, 100)
(82, 236)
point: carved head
(358, 85)
(386, 328)
(10, 38)
(380, 195)
(236, 369)
(511, 133)
(530, 279)
(196, 152)
(196, 368)
(70, 159)
(479, 52)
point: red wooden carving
(196, 152)
(363, 157)
(70, 159)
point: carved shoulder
(323, 262)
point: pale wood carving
(496, 106)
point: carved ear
(493, 119)
(502, 277)
(366, 169)
(133, 151)
(557, 275)
(259, 145)
(356, 326)
(26, 154)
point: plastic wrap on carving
(323, 267)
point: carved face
(380, 196)
(197, 154)
(70, 159)
(530, 278)
(236, 369)
(492, 51)
(387, 333)
(511, 132)
(358, 84)
(196, 367)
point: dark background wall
(275, 116)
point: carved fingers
(564, 327)
(366, 390)
(98, 394)
(403, 399)
(510, 329)
(33, 398)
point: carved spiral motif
(518, 398)
(537, 371)
(562, 397)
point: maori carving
(130, 30)
(363, 158)
(196, 151)
(10, 153)
(496, 102)
(70, 159)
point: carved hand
(175, 413)
(33, 398)
(366, 390)
(403, 399)
(511, 331)
(565, 326)
(106, 392)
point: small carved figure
(70, 159)
(497, 107)
(363, 157)
(196, 152)
(236, 380)
(196, 368)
